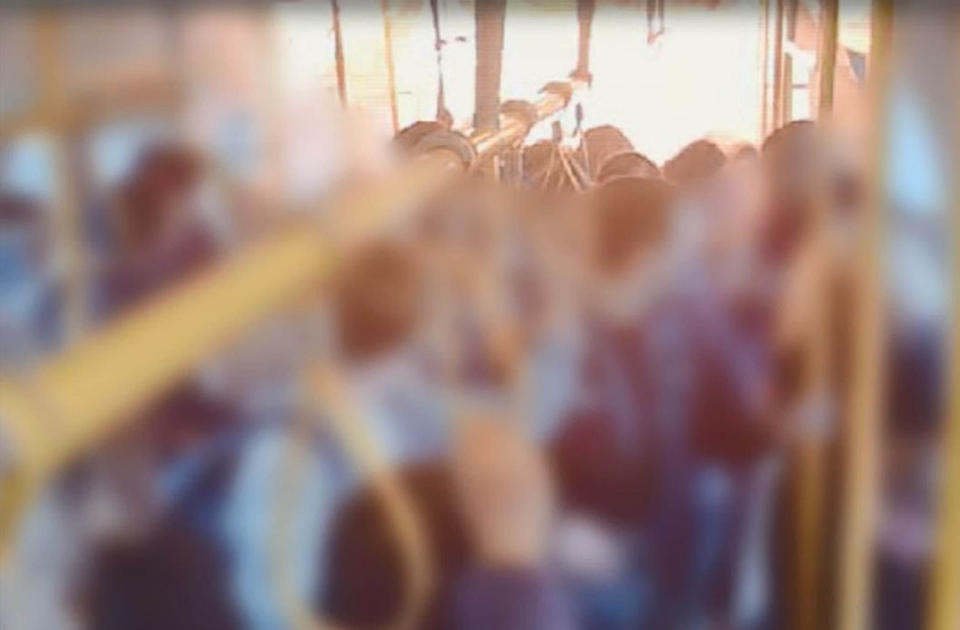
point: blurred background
(479, 314)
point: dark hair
(26, 213)
(786, 135)
(629, 214)
(694, 163)
(161, 170)
(629, 163)
(376, 299)
(178, 165)
(602, 142)
(744, 152)
(20, 210)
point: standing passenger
(663, 404)
(376, 312)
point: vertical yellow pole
(819, 363)
(778, 66)
(790, 35)
(48, 35)
(828, 53)
(945, 586)
(490, 18)
(338, 53)
(862, 456)
(585, 11)
(269, 36)
(388, 52)
(764, 68)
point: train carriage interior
(480, 314)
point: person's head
(627, 164)
(811, 202)
(788, 157)
(743, 153)
(785, 168)
(798, 164)
(159, 192)
(694, 164)
(601, 142)
(377, 300)
(631, 226)
(700, 175)
(738, 207)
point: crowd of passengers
(526, 408)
